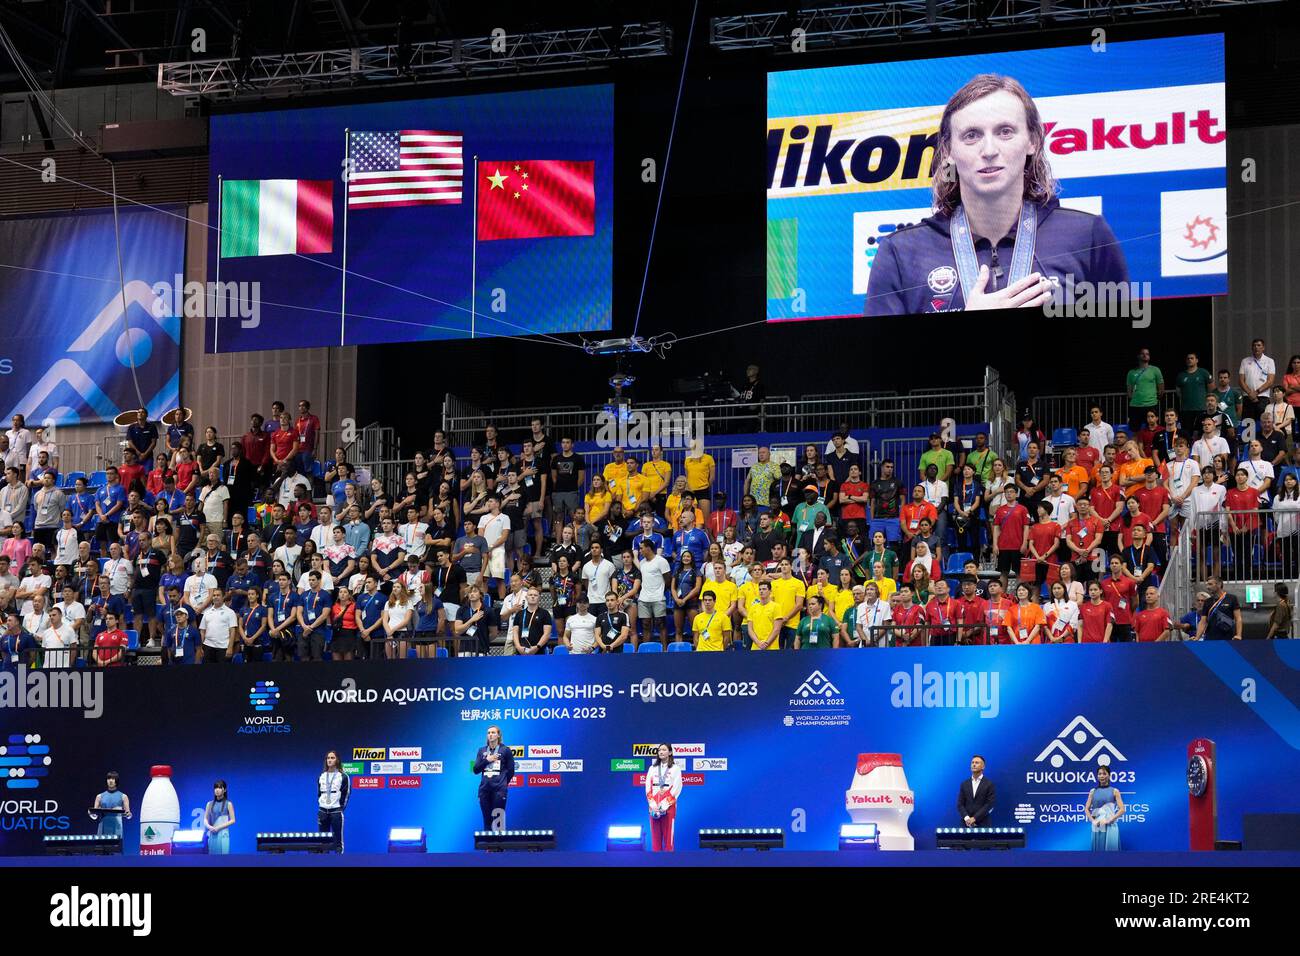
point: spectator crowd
(191, 551)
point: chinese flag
(536, 198)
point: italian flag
(276, 217)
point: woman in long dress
(1104, 808)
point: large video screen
(80, 341)
(461, 217)
(1124, 172)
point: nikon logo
(369, 753)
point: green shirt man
(1145, 383)
(1193, 386)
(940, 458)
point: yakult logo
(544, 750)
(405, 753)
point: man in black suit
(814, 539)
(496, 765)
(976, 795)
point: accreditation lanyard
(963, 248)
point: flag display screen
(415, 220)
(1120, 149)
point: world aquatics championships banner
(1135, 133)
(764, 739)
(66, 346)
(400, 179)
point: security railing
(1243, 546)
(1074, 411)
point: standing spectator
(568, 477)
(39, 446)
(940, 457)
(1256, 375)
(1280, 413)
(307, 430)
(1210, 443)
(763, 474)
(1286, 517)
(49, 503)
(840, 459)
(494, 529)
(214, 497)
(701, 470)
(142, 438)
(58, 640)
(1194, 384)
(1279, 620)
(1290, 385)
(256, 443)
(1220, 614)
(1100, 432)
(1028, 433)
(20, 442)
(211, 453)
(284, 442)
(1241, 505)
(178, 429)
(218, 626)
(1143, 387)
(1228, 404)
(110, 502)
(14, 498)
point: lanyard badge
(963, 248)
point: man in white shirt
(118, 570)
(1184, 475)
(1062, 505)
(39, 444)
(323, 533)
(1258, 469)
(199, 588)
(74, 613)
(1100, 434)
(58, 639)
(214, 497)
(289, 485)
(651, 603)
(580, 628)
(289, 553)
(1256, 374)
(872, 613)
(1210, 443)
(494, 528)
(36, 618)
(20, 443)
(216, 626)
(32, 586)
(597, 573)
(412, 534)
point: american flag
(409, 167)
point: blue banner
(763, 739)
(79, 345)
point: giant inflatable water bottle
(160, 813)
(879, 795)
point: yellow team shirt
(697, 472)
(887, 587)
(724, 593)
(615, 471)
(763, 617)
(630, 491)
(843, 601)
(785, 591)
(709, 630)
(827, 595)
(657, 475)
(598, 505)
(748, 594)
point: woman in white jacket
(663, 784)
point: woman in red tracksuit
(663, 784)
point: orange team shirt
(911, 514)
(1132, 469)
(1073, 478)
(1025, 619)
